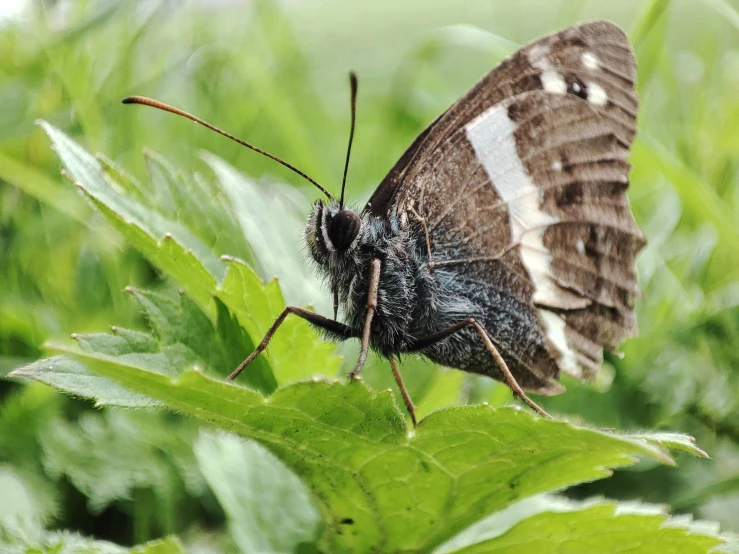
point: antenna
(353, 85)
(171, 109)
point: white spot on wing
(551, 80)
(556, 166)
(580, 245)
(590, 61)
(597, 95)
(492, 139)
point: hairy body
(416, 300)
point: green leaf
(73, 377)
(182, 336)
(168, 235)
(270, 217)
(167, 243)
(27, 539)
(565, 526)
(379, 486)
(268, 508)
(24, 538)
(40, 186)
(257, 307)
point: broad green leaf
(379, 486)
(268, 508)
(487, 532)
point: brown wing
(534, 183)
(597, 49)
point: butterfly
(502, 242)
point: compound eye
(344, 228)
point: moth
(502, 242)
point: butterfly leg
(316, 319)
(510, 379)
(403, 391)
(374, 285)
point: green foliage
(376, 485)
(179, 263)
(268, 508)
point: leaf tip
(664, 458)
(699, 452)
(45, 125)
(18, 373)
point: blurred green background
(275, 73)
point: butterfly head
(331, 231)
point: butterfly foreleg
(374, 286)
(425, 342)
(318, 320)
